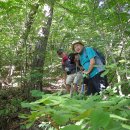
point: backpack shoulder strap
(85, 52)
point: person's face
(60, 55)
(78, 48)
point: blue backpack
(101, 56)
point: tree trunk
(40, 51)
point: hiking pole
(83, 86)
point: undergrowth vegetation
(10, 106)
(60, 112)
(31, 33)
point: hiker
(93, 67)
(72, 73)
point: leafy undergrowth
(60, 112)
(10, 106)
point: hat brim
(78, 42)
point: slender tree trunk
(40, 51)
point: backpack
(71, 64)
(71, 57)
(101, 56)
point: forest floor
(56, 86)
(10, 103)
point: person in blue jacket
(93, 67)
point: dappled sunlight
(54, 86)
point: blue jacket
(86, 55)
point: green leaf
(24, 116)
(36, 93)
(123, 102)
(118, 117)
(105, 73)
(61, 117)
(99, 118)
(114, 125)
(44, 101)
(84, 115)
(112, 66)
(71, 127)
(126, 126)
(26, 105)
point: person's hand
(81, 68)
(85, 72)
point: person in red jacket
(72, 73)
